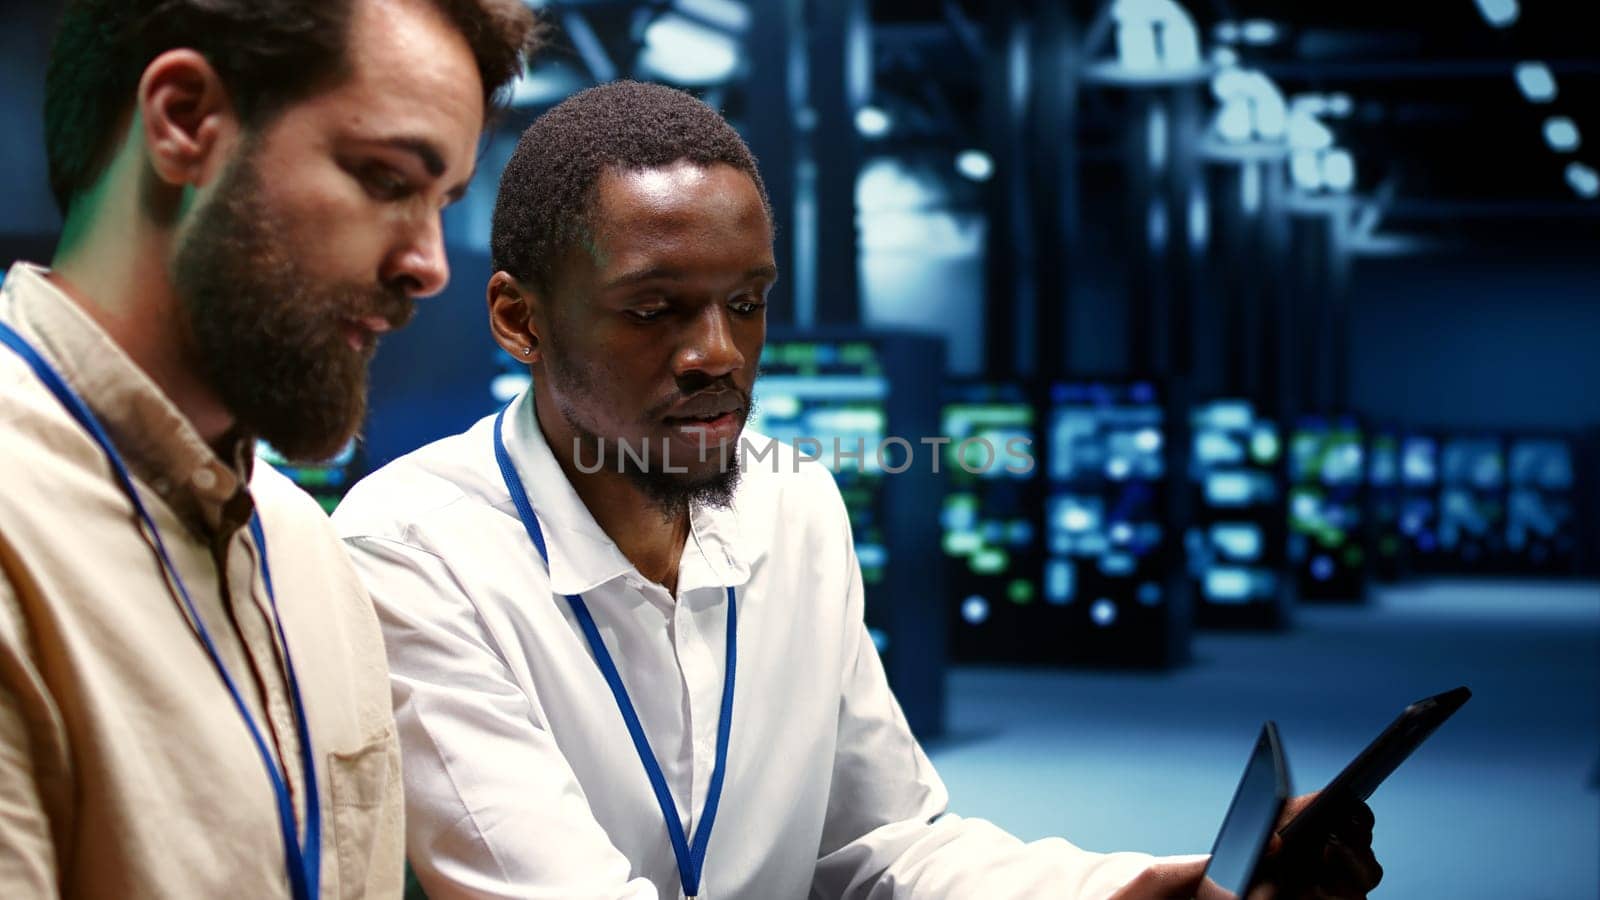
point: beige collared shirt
(125, 769)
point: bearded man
(626, 639)
(251, 192)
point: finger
(1296, 804)
(1361, 815)
(1351, 866)
(1294, 807)
(1357, 827)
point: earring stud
(527, 351)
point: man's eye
(747, 306)
(384, 183)
(647, 314)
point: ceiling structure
(1438, 126)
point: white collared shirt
(521, 779)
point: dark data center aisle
(1501, 803)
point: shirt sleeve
(492, 808)
(30, 736)
(888, 834)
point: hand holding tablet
(1237, 867)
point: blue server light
(1472, 503)
(989, 515)
(1106, 518)
(1541, 506)
(1326, 497)
(1385, 504)
(1235, 546)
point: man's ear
(188, 120)
(513, 317)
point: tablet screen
(1250, 820)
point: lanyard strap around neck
(691, 857)
(303, 861)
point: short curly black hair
(547, 190)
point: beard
(269, 338)
(671, 493)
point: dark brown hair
(268, 53)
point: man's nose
(419, 267)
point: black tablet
(1310, 829)
(1257, 803)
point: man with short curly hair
(251, 193)
(627, 647)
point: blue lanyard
(691, 858)
(304, 862)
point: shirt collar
(582, 555)
(160, 446)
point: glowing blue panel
(1060, 582)
(975, 164)
(1338, 170)
(1536, 81)
(1500, 13)
(1419, 465)
(975, 610)
(1306, 170)
(872, 122)
(1583, 179)
(1322, 568)
(1561, 133)
(1228, 585)
(1239, 541)
(871, 555)
(685, 52)
(1545, 464)
(1213, 448)
(1225, 415)
(1259, 32)
(1307, 133)
(1229, 488)
(1117, 565)
(1103, 612)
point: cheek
(330, 227)
(751, 343)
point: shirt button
(205, 479)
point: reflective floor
(1501, 803)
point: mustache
(392, 305)
(664, 407)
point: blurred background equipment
(831, 396)
(990, 522)
(1237, 544)
(1111, 551)
(1292, 306)
(1326, 508)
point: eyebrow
(759, 272)
(422, 149)
(431, 159)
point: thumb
(1165, 881)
